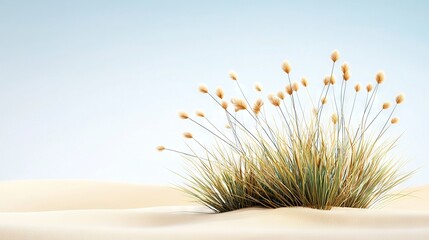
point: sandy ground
(101, 210)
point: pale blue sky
(89, 88)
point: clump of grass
(285, 153)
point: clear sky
(88, 89)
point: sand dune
(94, 210)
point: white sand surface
(96, 210)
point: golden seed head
(369, 87)
(286, 66)
(386, 105)
(394, 120)
(227, 126)
(304, 81)
(257, 106)
(258, 87)
(332, 80)
(400, 98)
(219, 92)
(240, 104)
(187, 135)
(183, 115)
(345, 67)
(346, 76)
(281, 95)
(160, 148)
(335, 55)
(324, 100)
(224, 105)
(326, 80)
(379, 77)
(315, 111)
(274, 100)
(200, 113)
(289, 89)
(295, 86)
(233, 75)
(203, 88)
(357, 87)
(334, 118)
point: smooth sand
(96, 210)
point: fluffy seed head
(219, 92)
(400, 98)
(324, 100)
(369, 87)
(346, 76)
(345, 67)
(326, 80)
(295, 86)
(379, 77)
(286, 67)
(257, 106)
(281, 95)
(357, 87)
(187, 135)
(394, 120)
(199, 113)
(240, 104)
(203, 88)
(289, 89)
(386, 105)
(274, 100)
(233, 75)
(227, 126)
(304, 81)
(160, 148)
(224, 105)
(258, 87)
(183, 115)
(335, 55)
(334, 118)
(332, 80)
(315, 111)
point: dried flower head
(274, 100)
(335, 55)
(258, 87)
(315, 111)
(394, 120)
(304, 81)
(386, 105)
(345, 67)
(326, 80)
(257, 106)
(281, 95)
(346, 76)
(324, 100)
(160, 148)
(187, 135)
(369, 87)
(379, 77)
(289, 89)
(183, 115)
(286, 66)
(295, 86)
(233, 75)
(334, 118)
(224, 105)
(400, 98)
(219, 92)
(357, 87)
(200, 113)
(240, 104)
(203, 88)
(332, 80)
(227, 126)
